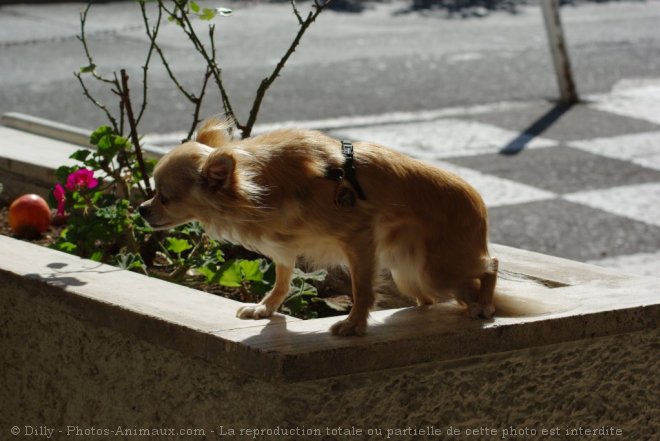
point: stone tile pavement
(581, 183)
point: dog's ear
(214, 132)
(218, 170)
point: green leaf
(177, 246)
(208, 14)
(150, 164)
(104, 144)
(63, 172)
(338, 303)
(298, 304)
(99, 133)
(131, 262)
(318, 276)
(238, 271)
(87, 69)
(97, 256)
(231, 276)
(251, 270)
(67, 247)
(209, 273)
(194, 6)
(109, 144)
(81, 155)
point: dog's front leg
(361, 260)
(274, 298)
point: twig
(83, 39)
(117, 91)
(266, 82)
(295, 11)
(198, 103)
(210, 59)
(91, 68)
(196, 100)
(229, 112)
(152, 37)
(98, 104)
(134, 133)
(152, 46)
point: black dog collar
(348, 171)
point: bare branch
(198, 103)
(98, 104)
(209, 58)
(83, 39)
(134, 133)
(266, 82)
(152, 37)
(118, 91)
(229, 111)
(296, 12)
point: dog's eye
(163, 199)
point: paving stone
(582, 122)
(571, 230)
(560, 169)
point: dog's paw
(477, 310)
(347, 328)
(253, 311)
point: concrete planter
(89, 346)
(99, 353)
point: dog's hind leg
(408, 286)
(487, 288)
(477, 293)
(274, 298)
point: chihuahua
(292, 194)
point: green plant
(97, 195)
(98, 198)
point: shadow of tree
(63, 279)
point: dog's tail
(215, 131)
(518, 296)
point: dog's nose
(143, 209)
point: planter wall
(89, 346)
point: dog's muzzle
(144, 210)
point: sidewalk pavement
(581, 182)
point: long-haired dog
(297, 193)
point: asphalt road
(348, 64)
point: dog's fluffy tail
(515, 297)
(214, 131)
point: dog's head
(188, 177)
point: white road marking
(640, 148)
(635, 98)
(364, 120)
(497, 191)
(639, 202)
(444, 138)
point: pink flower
(81, 178)
(59, 194)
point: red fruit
(29, 216)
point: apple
(29, 216)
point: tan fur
(269, 193)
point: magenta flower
(60, 196)
(81, 178)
